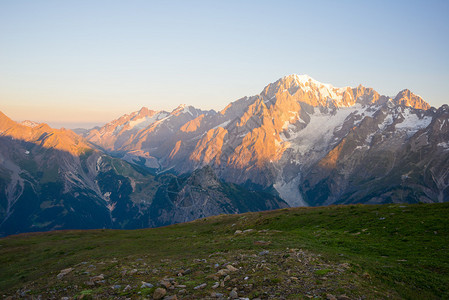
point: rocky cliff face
(300, 136)
(52, 179)
(202, 194)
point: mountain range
(297, 143)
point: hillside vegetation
(337, 252)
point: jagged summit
(304, 79)
(407, 98)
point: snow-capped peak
(303, 79)
(29, 123)
(183, 108)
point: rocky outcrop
(202, 194)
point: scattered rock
(216, 295)
(233, 294)
(248, 230)
(188, 271)
(116, 287)
(213, 276)
(238, 232)
(172, 297)
(146, 285)
(343, 297)
(127, 288)
(231, 268)
(330, 297)
(216, 285)
(165, 283)
(264, 252)
(64, 272)
(345, 265)
(201, 286)
(223, 272)
(182, 292)
(264, 243)
(97, 278)
(159, 293)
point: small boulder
(165, 283)
(216, 295)
(146, 285)
(64, 272)
(97, 278)
(222, 272)
(201, 286)
(233, 294)
(159, 293)
(263, 243)
(231, 268)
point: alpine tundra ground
(338, 252)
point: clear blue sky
(66, 62)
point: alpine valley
(298, 143)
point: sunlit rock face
(52, 179)
(312, 142)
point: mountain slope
(309, 140)
(52, 179)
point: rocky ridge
(53, 179)
(289, 137)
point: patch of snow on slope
(319, 132)
(444, 145)
(144, 122)
(223, 125)
(29, 123)
(289, 191)
(412, 123)
(387, 122)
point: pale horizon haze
(84, 63)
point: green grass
(399, 250)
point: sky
(85, 63)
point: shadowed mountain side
(382, 166)
(45, 189)
(202, 194)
